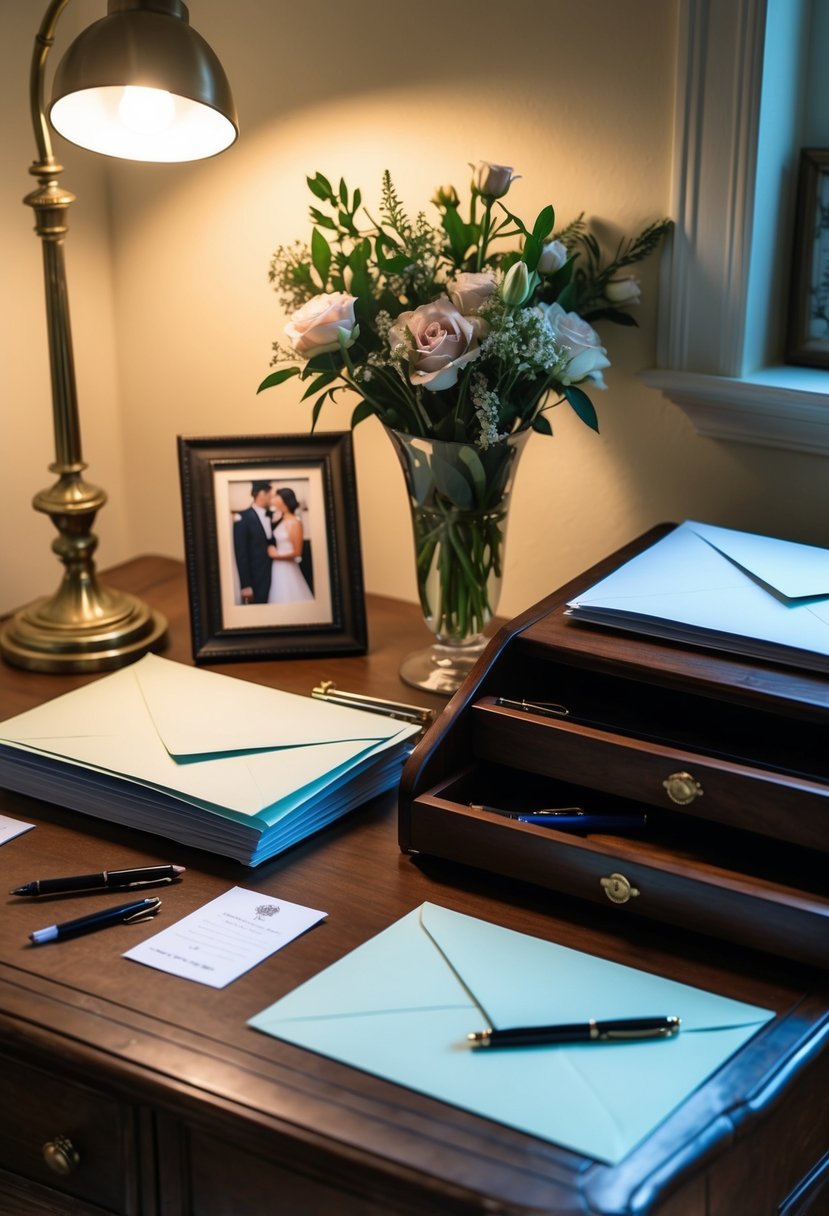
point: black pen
(619, 1030)
(124, 914)
(106, 880)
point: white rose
(314, 328)
(586, 358)
(493, 181)
(438, 340)
(625, 290)
(468, 290)
(553, 256)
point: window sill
(781, 407)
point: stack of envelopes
(734, 591)
(203, 759)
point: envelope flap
(197, 712)
(521, 980)
(794, 570)
(399, 970)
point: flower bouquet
(460, 335)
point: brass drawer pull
(682, 788)
(618, 889)
(61, 1156)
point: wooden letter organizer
(728, 757)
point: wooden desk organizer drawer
(728, 757)
(740, 795)
(700, 876)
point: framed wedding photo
(808, 331)
(272, 546)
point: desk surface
(173, 1042)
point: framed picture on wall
(808, 331)
(272, 546)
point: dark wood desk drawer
(88, 1133)
(687, 873)
(751, 798)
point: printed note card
(9, 828)
(227, 937)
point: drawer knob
(60, 1155)
(618, 889)
(682, 788)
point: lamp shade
(141, 84)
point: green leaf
(278, 378)
(582, 405)
(544, 224)
(461, 235)
(320, 255)
(531, 252)
(322, 381)
(472, 461)
(343, 192)
(541, 423)
(451, 483)
(361, 412)
(320, 187)
(567, 297)
(318, 404)
(324, 221)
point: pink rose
(468, 290)
(438, 342)
(586, 358)
(314, 328)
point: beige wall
(579, 98)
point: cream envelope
(712, 586)
(209, 742)
(401, 1006)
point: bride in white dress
(288, 585)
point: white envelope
(401, 1006)
(208, 742)
(710, 586)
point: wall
(578, 98)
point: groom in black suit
(252, 533)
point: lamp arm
(44, 40)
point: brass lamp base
(113, 629)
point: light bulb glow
(93, 119)
(146, 111)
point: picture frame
(808, 329)
(259, 586)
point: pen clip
(144, 882)
(142, 914)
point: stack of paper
(708, 586)
(201, 758)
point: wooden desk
(175, 1106)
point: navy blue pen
(570, 818)
(583, 822)
(122, 915)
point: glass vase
(459, 498)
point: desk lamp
(142, 85)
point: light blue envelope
(736, 591)
(203, 758)
(401, 1006)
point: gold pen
(327, 690)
